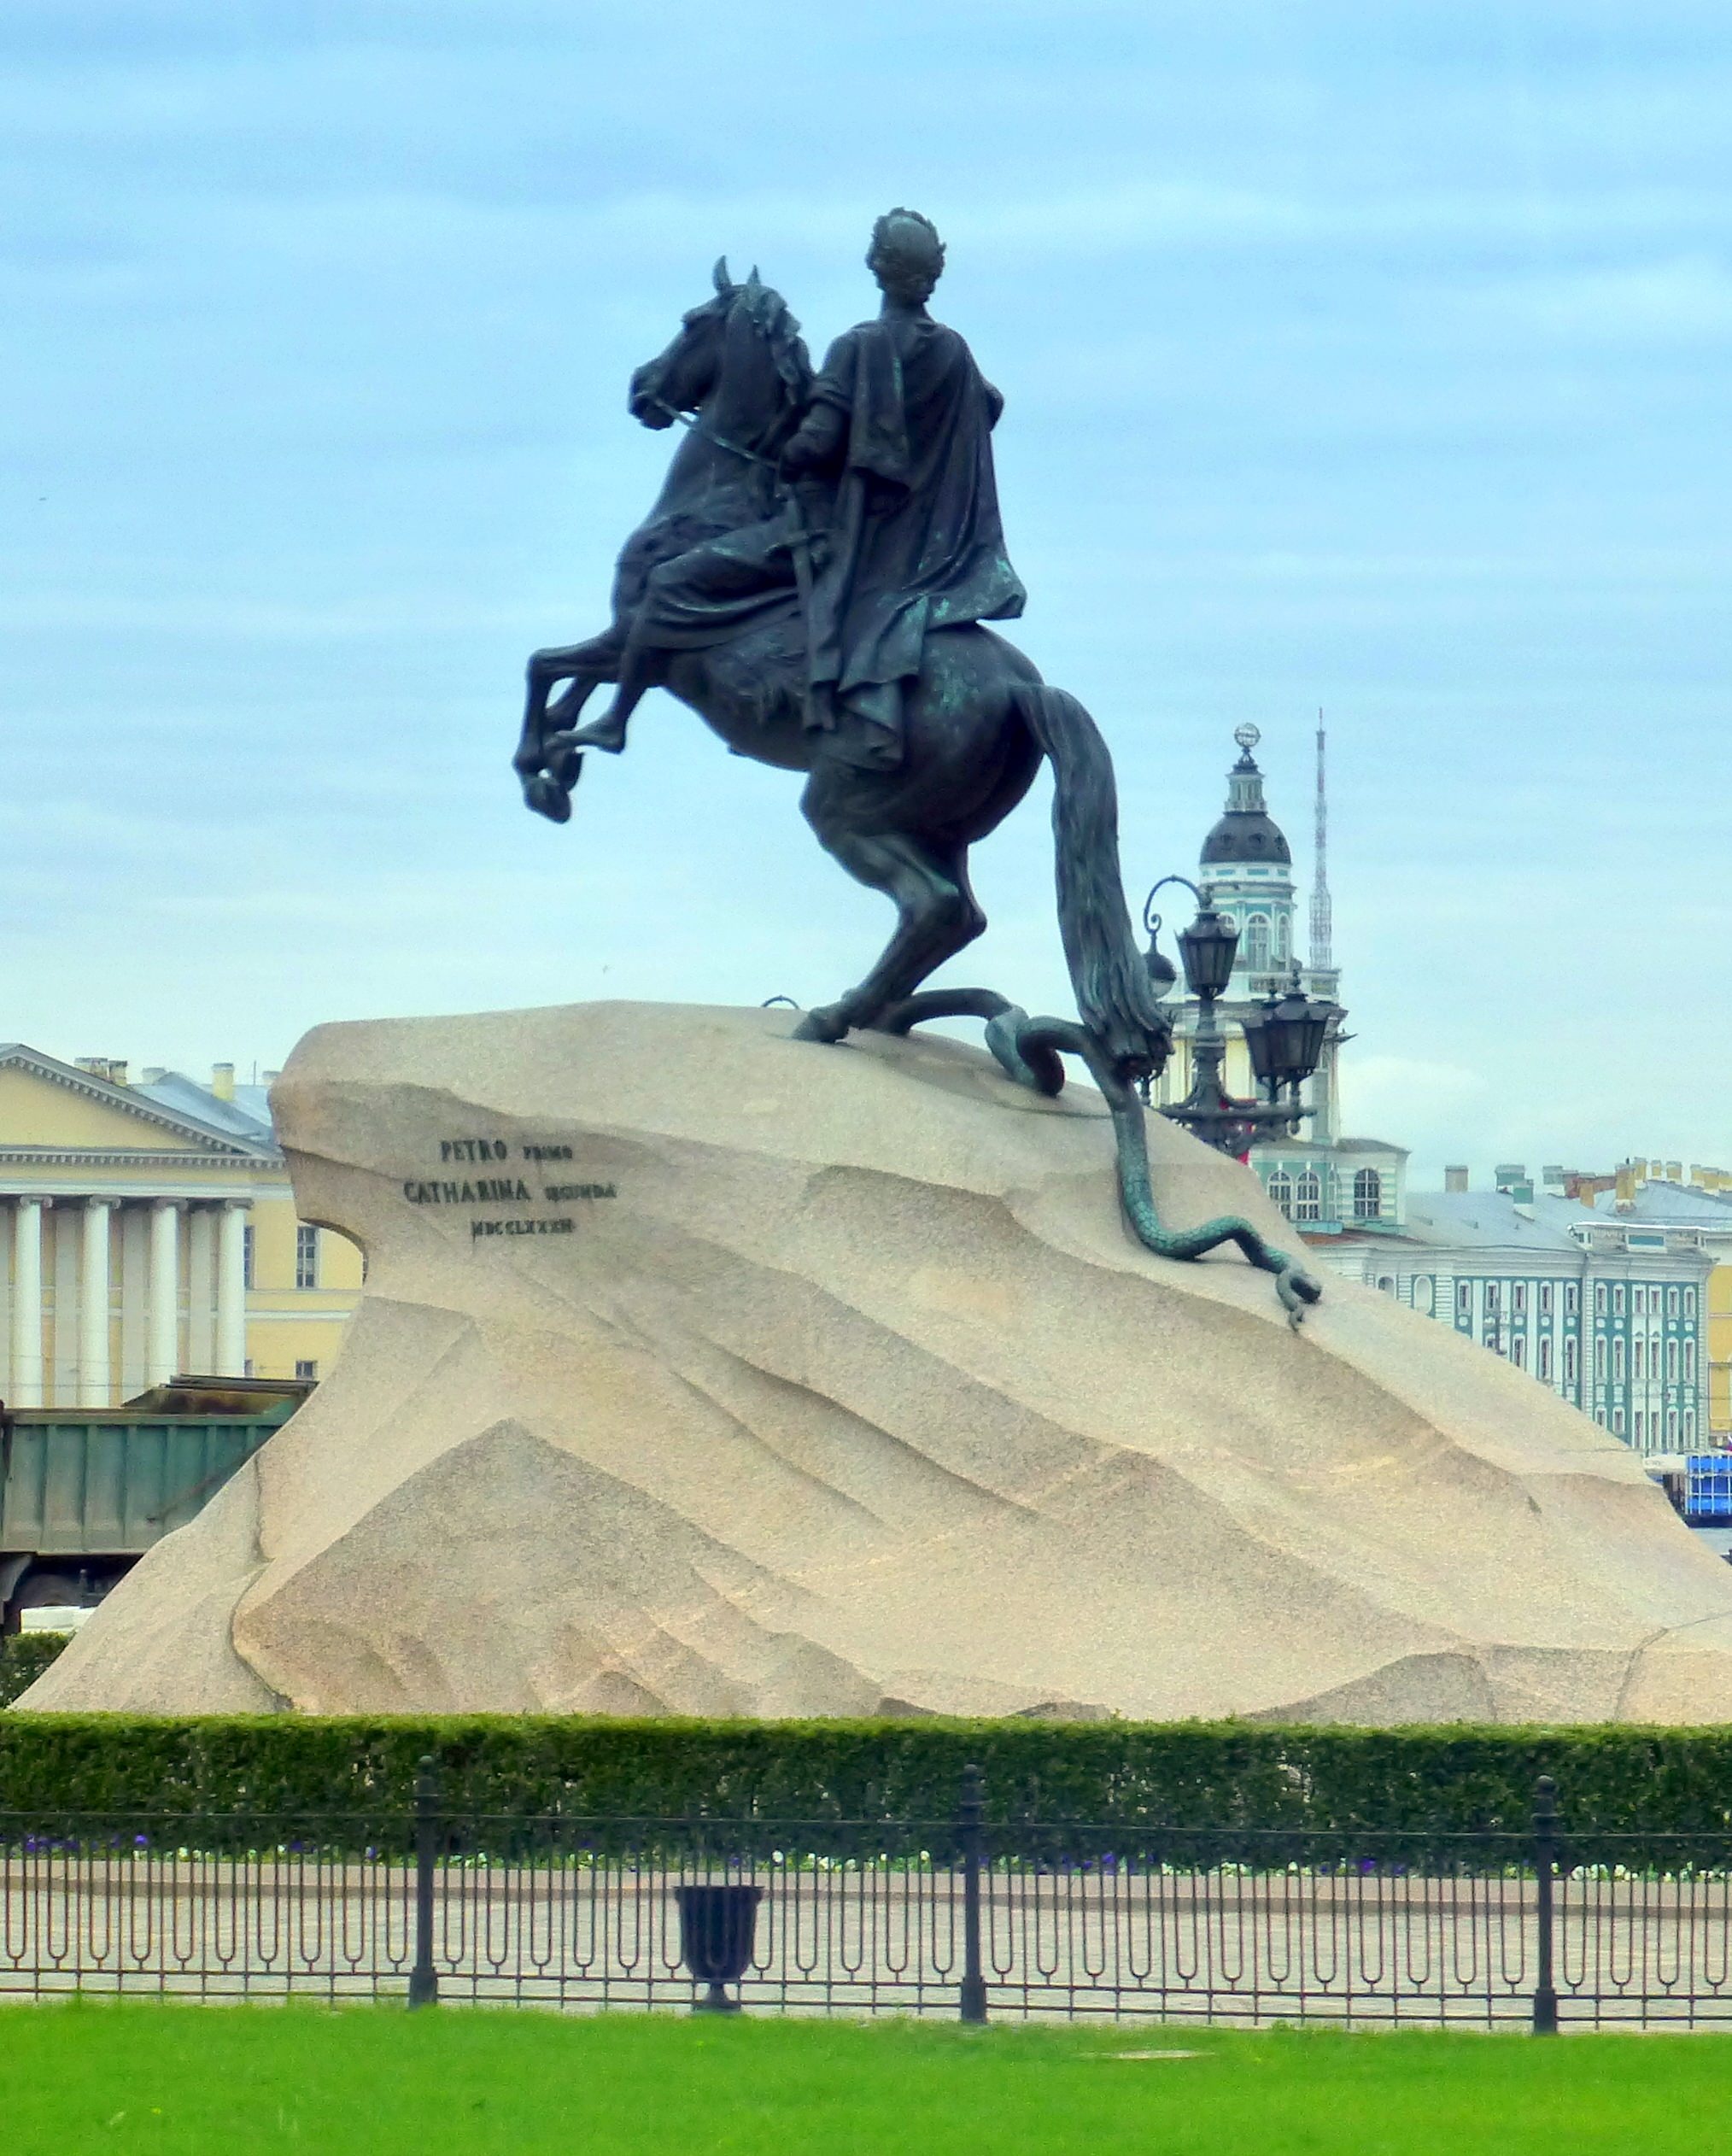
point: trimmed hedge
(1223, 1775)
(23, 1657)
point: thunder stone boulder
(702, 1371)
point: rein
(709, 434)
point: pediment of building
(55, 1109)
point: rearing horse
(977, 723)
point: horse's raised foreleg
(547, 767)
(937, 916)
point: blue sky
(1362, 356)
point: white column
(231, 1292)
(93, 1305)
(27, 1302)
(162, 1346)
(201, 1296)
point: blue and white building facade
(1610, 1313)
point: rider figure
(899, 425)
(903, 417)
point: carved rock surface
(843, 1389)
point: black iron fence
(959, 1916)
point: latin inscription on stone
(503, 1190)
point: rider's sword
(800, 549)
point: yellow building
(148, 1230)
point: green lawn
(245, 2080)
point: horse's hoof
(548, 797)
(603, 735)
(822, 1025)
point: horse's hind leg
(938, 915)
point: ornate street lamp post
(1285, 1033)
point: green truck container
(86, 1491)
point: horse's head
(741, 341)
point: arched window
(1257, 943)
(1636, 1351)
(1281, 946)
(1281, 1191)
(1544, 1361)
(1690, 1302)
(1689, 1362)
(1367, 1194)
(1518, 1350)
(1569, 1363)
(1600, 1360)
(1672, 1362)
(1309, 1202)
(1618, 1360)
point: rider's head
(906, 256)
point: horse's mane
(766, 308)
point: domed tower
(1247, 868)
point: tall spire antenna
(1322, 925)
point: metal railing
(962, 1916)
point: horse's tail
(1114, 995)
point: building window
(1600, 1298)
(1545, 1363)
(1689, 1362)
(1281, 953)
(306, 1369)
(247, 1367)
(1573, 1298)
(1689, 1425)
(1635, 1358)
(1518, 1350)
(1672, 1429)
(1281, 1192)
(1672, 1301)
(1617, 1422)
(246, 1242)
(1545, 1298)
(1422, 1294)
(1641, 1426)
(1464, 1301)
(1257, 943)
(1672, 1362)
(1599, 1361)
(1571, 1365)
(1618, 1300)
(1618, 1360)
(1309, 1203)
(1491, 1298)
(1520, 1295)
(306, 1256)
(1690, 1302)
(1367, 1194)
(1386, 1283)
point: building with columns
(149, 1230)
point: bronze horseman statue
(814, 581)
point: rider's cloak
(916, 543)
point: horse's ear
(724, 281)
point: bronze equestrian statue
(813, 580)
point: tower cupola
(1246, 831)
(1247, 868)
